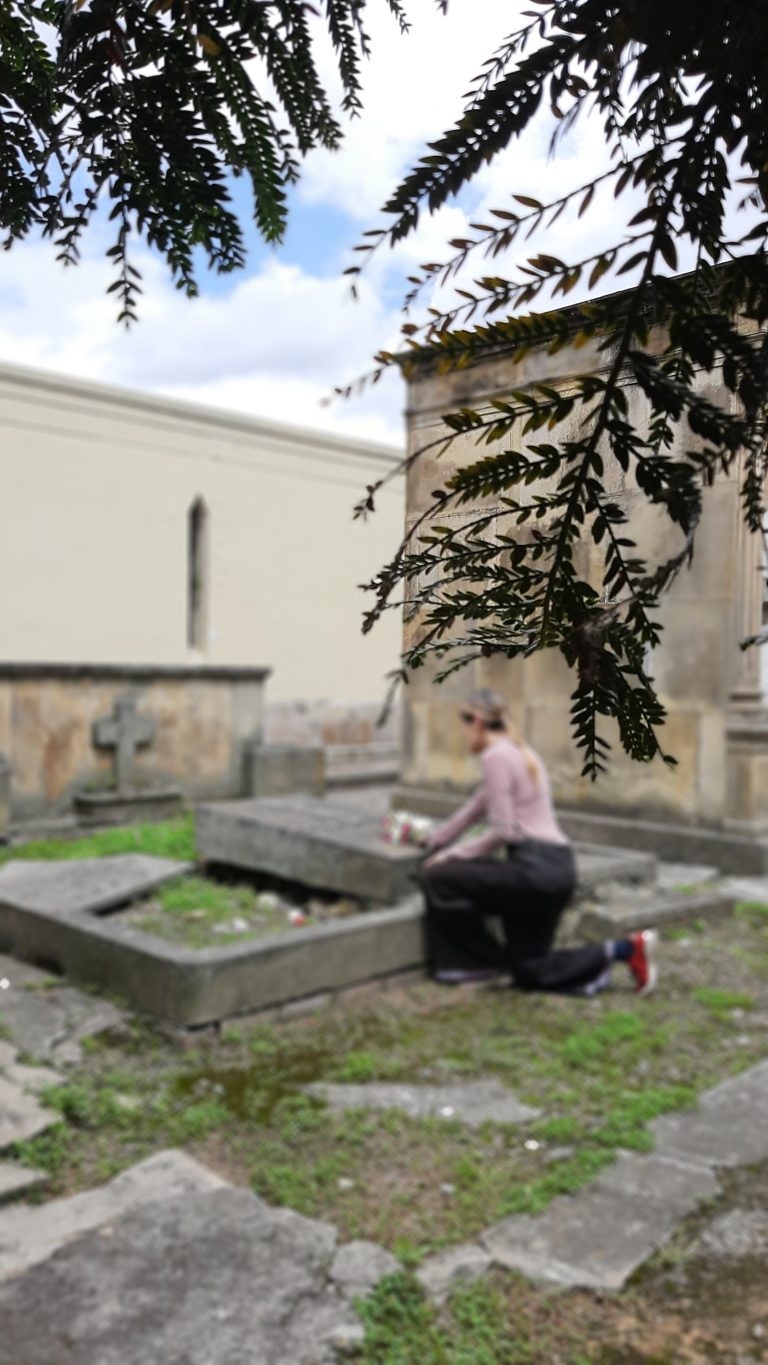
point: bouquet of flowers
(400, 827)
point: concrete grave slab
(21, 1115)
(83, 885)
(44, 1019)
(30, 1234)
(208, 1277)
(359, 1266)
(337, 846)
(597, 1238)
(438, 1275)
(472, 1103)
(729, 1127)
(307, 840)
(17, 1180)
(624, 914)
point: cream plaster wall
(96, 487)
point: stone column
(5, 797)
(747, 718)
(747, 690)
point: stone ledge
(141, 672)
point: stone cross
(124, 732)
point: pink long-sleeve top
(513, 803)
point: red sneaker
(642, 963)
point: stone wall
(356, 745)
(203, 720)
(717, 719)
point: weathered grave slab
(729, 1127)
(473, 1103)
(327, 845)
(30, 1234)
(597, 1238)
(191, 986)
(308, 840)
(168, 1262)
(439, 1275)
(46, 1020)
(83, 886)
(21, 1115)
(17, 1180)
(737, 1233)
(622, 913)
(208, 1277)
(359, 1266)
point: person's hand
(439, 856)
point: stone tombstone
(123, 733)
(282, 769)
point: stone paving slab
(472, 1103)
(16, 1180)
(48, 1021)
(198, 1279)
(30, 1234)
(729, 1127)
(440, 1274)
(21, 1115)
(85, 885)
(624, 914)
(170, 1263)
(596, 1239)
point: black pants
(529, 892)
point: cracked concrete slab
(84, 885)
(472, 1103)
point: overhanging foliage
(681, 91)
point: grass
(202, 913)
(166, 839)
(599, 1071)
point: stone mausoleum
(715, 802)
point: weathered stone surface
(748, 889)
(17, 1180)
(21, 1115)
(729, 1128)
(598, 1237)
(281, 769)
(359, 1266)
(737, 1233)
(202, 1278)
(472, 1103)
(439, 1274)
(670, 875)
(305, 839)
(190, 986)
(30, 1235)
(83, 886)
(622, 914)
(48, 1021)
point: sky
(275, 339)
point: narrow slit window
(197, 575)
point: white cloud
(275, 345)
